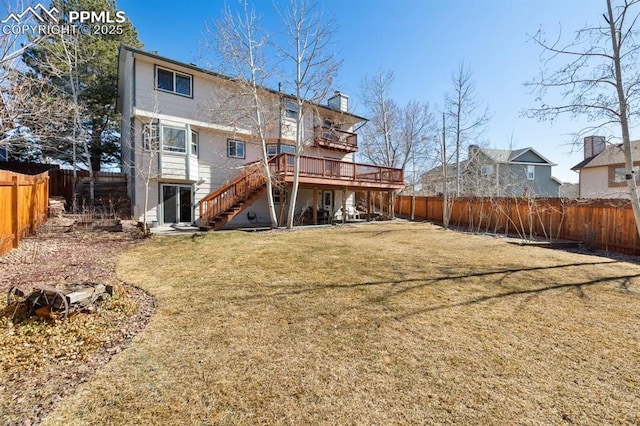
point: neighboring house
(569, 190)
(498, 172)
(184, 132)
(432, 180)
(602, 172)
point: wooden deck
(324, 171)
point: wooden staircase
(220, 206)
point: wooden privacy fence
(62, 180)
(24, 201)
(604, 224)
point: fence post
(15, 220)
(34, 205)
(47, 182)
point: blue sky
(422, 42)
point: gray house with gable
(497, 173)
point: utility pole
(445, 195)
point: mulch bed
(63, 253)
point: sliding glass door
(176, 204)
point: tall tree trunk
(624, 121)
(96, 147)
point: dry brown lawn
(393, 323)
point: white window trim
(195, 143)
(170, 151)
(174, 73)
(531, 172)
(237, 142)
(150, 137)
(291, 106)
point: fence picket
(604, 224)
(24, 203)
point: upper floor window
(195, 142)
(150, 137)
(531, 172)
(486, 170)
(272, 149)
(618, 175)
(235, 149)
(173, 139)
(287, 149)
(291, 109)
(173, 81)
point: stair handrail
(236, 190)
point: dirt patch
(44, 361)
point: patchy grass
(394, 323)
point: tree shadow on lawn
(624, 282)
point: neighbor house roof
(503, 156)
(437, 171)
(612, 154)
(513, 155)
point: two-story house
(602, 171)
(192, 157)
(499, 173)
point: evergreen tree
(95, 70)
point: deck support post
(282, 193)
(368, 206)
(344, 205)
(314, 207)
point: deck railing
(334, 138)
(253, 178)
(336, 169)
(232, 193)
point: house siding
(529, 157)
(515, 182)
(207, 112)
(594, 183)
(509, 179)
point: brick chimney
(593, 145)
(473, 151)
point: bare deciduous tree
(380, 136)
(396, 136)
(598, 77)
(461, 107)
(17, 89)
(144, 157)
(310, 68)
(241, 44)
